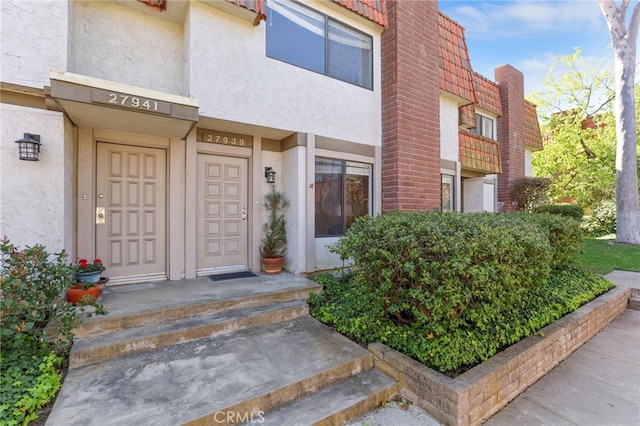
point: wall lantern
(270, 174)
(29, 147)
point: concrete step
(104, 347)
(200, 382)
(136, 305)
(336, 404)
(634, 300)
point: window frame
(480, 120)
(366, 84)
(343, 207)
(452, 195)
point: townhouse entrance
(131, 210)
(221, 215)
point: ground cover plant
(451, 290)
(36, 326)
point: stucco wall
(448, 129)
(34, 40)
(236, 81)
(33, 205)
(478, 195)
(528, 163)
(117, 43)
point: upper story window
(303, 37)
(484, 126)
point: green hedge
(573, 211)
(420, 278)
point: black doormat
(232, 276)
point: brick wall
(410, 107)
(511, 132)
(477, 394)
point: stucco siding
(448, 129)
(34, 41)
(116, 43)
(34, 194)
(236, 81)
(528, 163)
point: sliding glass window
(311, 40)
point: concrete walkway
(598, 385)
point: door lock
(100, 216)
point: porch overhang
(93, 102)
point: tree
(577, 122)
(624, 42)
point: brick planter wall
(480, 392)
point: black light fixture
(29, 147)
(270, 174)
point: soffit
(93, 102)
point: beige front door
(131, 188)
(221, 215)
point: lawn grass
(603, 255)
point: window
(447, 196)
(303, 37)
(342, 193)
(484, 126)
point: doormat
(232, 276)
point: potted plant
(87, 279)
(274, 240)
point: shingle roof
(374, 10)
(257, 6)
(479, 153)
(487, 93)
(532, 138)
(455, 67)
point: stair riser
(112, 324)
(134, 346)
(634, 303)
(374, 401)
(285, 395)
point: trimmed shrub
(564, 234)
(449, 289)
(530, 192)
(573, 211)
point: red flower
(83, 265)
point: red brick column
(510, 132)
(410, 107)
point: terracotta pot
(272, 265)
(76, 292)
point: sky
(529, 34)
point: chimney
(510, 133)
(410, 107)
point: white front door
(131, 190)
(222, 213)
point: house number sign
(128, 101)
(224, 138)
